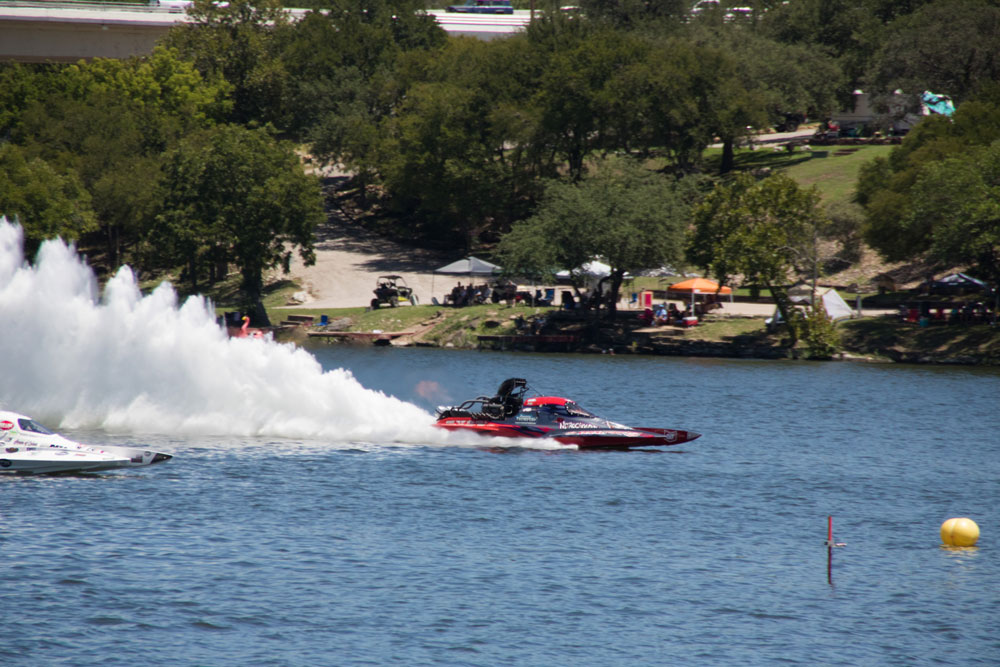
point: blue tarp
(958, 281)
(940, 104)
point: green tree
(758, 230)
(236, 41)
(630, 217)
(115, 147)
(161, 81)
(341, 60)
(572, 96)
(751, 80)
(45, 203)
(236, 195)
(949, 47)
(108, 122)
(962, 196)
(454, 155)
(822, 340)
(885, 185)
(848, 31)
(21, 85)
(661, 102)
(441, 168)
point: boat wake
(130, 363)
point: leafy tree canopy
(46, 203)
(631, 218)
(758, 230)
(236, 41)
(634, 13)
(21, 86)
(342, 59)
(851, 31)
(108, 123)
(162, 81)
(950, 47)
(885, 185)
(961, 195)
(575, 95)
(751, 80)
(237, 194)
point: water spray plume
(135, 363)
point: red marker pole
(830, 544)
(829, 550)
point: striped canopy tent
(696, 286)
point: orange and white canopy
(699, 286)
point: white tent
(835, 306)
(589, 274)
(592, 269)
(470, 266)
(467, 266)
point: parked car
(483, 7)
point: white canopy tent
(470, 266)
(590, 274)
(467, 266)
(834, 305)
(592, 269)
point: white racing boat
(28, 447)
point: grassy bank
(877, 338)
(890, 339)
(832, 169)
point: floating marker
(959, 532)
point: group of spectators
(663, 314)
(501, 290)
(469, 295)
(968, 313)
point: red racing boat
(510, 414)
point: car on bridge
(483, 7)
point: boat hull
(512, 414)
(604, 438)
(36, 462)
(28, 447)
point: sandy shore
(349, 261)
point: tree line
(190, 158)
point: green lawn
(725, 329)
(835, 176)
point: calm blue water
(269, 551)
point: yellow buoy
(959, 532)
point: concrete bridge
(70, 31)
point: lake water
(276, 551)
(312, 517)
